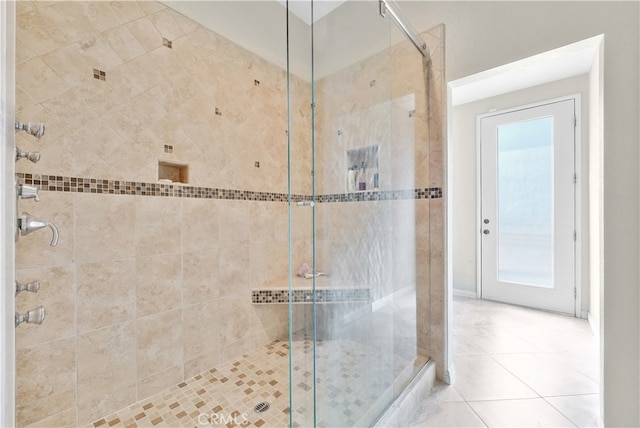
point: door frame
(8, 212)
(577, 195)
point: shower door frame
(7, 216)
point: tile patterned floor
(226, 395)
(516, 367)
(222, 396)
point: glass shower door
(354, 216)
(301, 311)
(352, 135)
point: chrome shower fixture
(28, 192)
(27, 224)
(34, 316)
(32, 156)
(34, 128)
(31, 287)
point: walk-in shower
(250, 219)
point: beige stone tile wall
(222, 108)
(436, 232)
(145, 291)
(129, 317)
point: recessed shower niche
(173, 172)
(363, 168)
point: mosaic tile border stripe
(306, 296)
(383, 195)
(56, 183)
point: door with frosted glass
(528, 206)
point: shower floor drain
(261, 407)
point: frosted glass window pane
(525, 202)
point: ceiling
(567, 61)
(345, 32)
(302, 8)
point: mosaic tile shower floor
(226, 395)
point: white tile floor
(516, 367)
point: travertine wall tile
(158, 352)
(38, 32)
(106, 371)
(104, 234)
(39, 80)
(150, 6)
(146, 34)
(158, 284)
(46, 380)
(158, 227)
(234, 271)
(64, 419)
(159, 381)
(106, 294)
(127, 10)
(201, 325)
(200, 276)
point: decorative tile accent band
(56, 183)
(383, 195)
(306, 296)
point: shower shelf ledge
(277, 292)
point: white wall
(595, 185)
(463, 155)
(484, 35)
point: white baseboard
(465, 293)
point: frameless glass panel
(525, 202)
(356, 225)
(301, 313)
(355, 345)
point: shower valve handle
(32, 156)
(34, 316)
(31, 287)
(34, 128)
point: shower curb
(401, 411)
